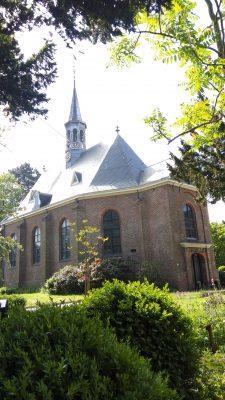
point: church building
(146, 215)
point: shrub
(64, 281)
(222, 275)
(151, 321)
(114, 268)
(211, 377)
(14, 301)
(152, 272)
(60, 354)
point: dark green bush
(115, 268)
(151, 321)
(222, 275)
(64, 281)
(211, 377)
(14, 301)
(55, 353)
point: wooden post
(213, 346)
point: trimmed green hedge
(61, 354)
(150, 320)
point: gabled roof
(101, 168)
(120, 168)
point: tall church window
(190, 222)
(12, 254)
(36, 245)
(82, 136)
(74, 135)
(68, 135)
(64, 240)
(111, 230)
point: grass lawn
(32, 298)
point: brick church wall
(152, 228)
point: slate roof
(75, 114)
(100, 168)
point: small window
(82, 136)
(77, 178)
(190, 222)
(36, 246)
(12, 254)
(74, 135)
(111, 230)
(68, 135)
(64, 240)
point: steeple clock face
(68, 156)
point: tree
(90, 243)
(195, 39)
(26, 176)
(218, 236)
(10, 194)
(23, 81)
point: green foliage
(203, 168)
(123, 54)
(211, 377)
(193, 36)
(10, 194)
(151, 321)
(221, 270)
(59, 354)
(13, 301)
(151, 272)
(64, 281)
(26, 176)
(114, 268)
(158, 123)
(218, 237)
(89, 242)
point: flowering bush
(66, 280)
(114, 268)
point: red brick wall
(151, 222)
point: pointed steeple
(75, 114)
(75, 132)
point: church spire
(75, 114)
(75, 132)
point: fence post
(213, 346)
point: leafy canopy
(10, 194)
(26, 175)
(192, 35)
(218, 236)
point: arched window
(74, 135)
(64, 240)
(190, 222)
(82, 136)
(68, 135)
(12, 254)
(111, 230)
(36, 245)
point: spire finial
(74, 67)
(117, 129)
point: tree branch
(211, 121)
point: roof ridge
(130, 169)
(109, 147)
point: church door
(198, 266)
